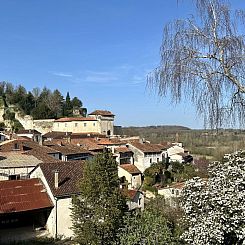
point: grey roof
(17, 160)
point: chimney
(56, 179)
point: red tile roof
(123, 149)
(68, 149)
(71, 119)
(102, 113)
(129, 193)
(69, 175)
(132, 169)
(23, 195)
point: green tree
(98, 211)
(152, 226)
(67, 106)
(76, 103)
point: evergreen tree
(98, 211)
(68, 106)
(76, 103)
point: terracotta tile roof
(71, 119)
(23, 195)
(17, 159)
(147, 147)
(132, 169)
(122, 149)
(68, 149)
(69, 175)
(56, 135)
(178, 185)
(102, 113)
(129, 193)
(89, 144)
(28, 131)
(106, 141)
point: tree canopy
(98, 211)
(214, 208)
(203, 61)
(39, 103)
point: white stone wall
(134, 181)
(23, 171)
(77, 127)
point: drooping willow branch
(203, 61)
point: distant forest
(39, 103)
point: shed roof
(23, 195)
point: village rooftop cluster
(40, 171)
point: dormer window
(16, 146)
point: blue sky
(99, 51)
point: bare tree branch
(203, 60)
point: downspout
(56, 218)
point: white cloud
(61, 74)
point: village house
(31, 134)
(135, 199)
(106, 121)
(124, 155)
(176, 153)
(16, 165)
(99, 121)
(61, 182)
(24, 209)
(130, 176)
(172, 193)
(145, 154)
(70, 152)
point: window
(16, 146)
(14, 177)
(172, 191)
(157, 159)
(94, 124)
(76, 124)
(177, 192)
(139, 201)
(65, 124)
(85, 124)
(150, 160)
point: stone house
(124, 155)
(76, 125)
(145, 154)
(106, 121)
(61, 182)
(171, 193)
(130, 176)
(99, 121)
(30, 133)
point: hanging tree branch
(203, 60)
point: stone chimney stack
(56, 179)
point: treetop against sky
(99, 52)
